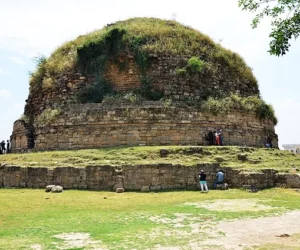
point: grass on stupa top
(226, 156)
(164, 37)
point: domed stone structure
(142, 81)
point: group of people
(215, 137)
(202, 179)
(5, 147)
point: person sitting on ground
(202, 180)
(219, 178)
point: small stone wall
(154, 177)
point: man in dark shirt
(7, 146)
(3, 146)
(202, 180)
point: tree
(285, 22)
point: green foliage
(147, 91)
(195, 65)
(234, 62)
(138, 37)
(48, 116)
(180, 71)
(285, 21)
(36, 78)
(141, 57)
(236, 102)
(167, 102)
(102, 90)
(94, 54)
(266, 111)
(96, 92)
(24, 118)
(127, 97)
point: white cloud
(19, 45)
(17, 60)
(18, 105)
(288, 110)
(5, 93)
(4, 72)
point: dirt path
(240, 234)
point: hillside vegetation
(250, 159)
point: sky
(37, 27)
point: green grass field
(257, 158)
(33, 219)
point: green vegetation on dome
(141, 37)
(235, 102)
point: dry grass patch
(232, 205)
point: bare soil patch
(232, 205)
(77, 240)
(36, 247)
(240, 234)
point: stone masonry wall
(154, 177)
(90, 126)
(161, 72)
(22, 137)
(94, 125)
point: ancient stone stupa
(142, 81)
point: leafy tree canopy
(285, 23)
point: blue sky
(37, 27)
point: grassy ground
(256, 159)
(32, 219)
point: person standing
(219, 178)
(214, 138)
(217, 138)
(269, 142)
(202, 180)
(3, 146)
(221, 137)
(7, 146)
